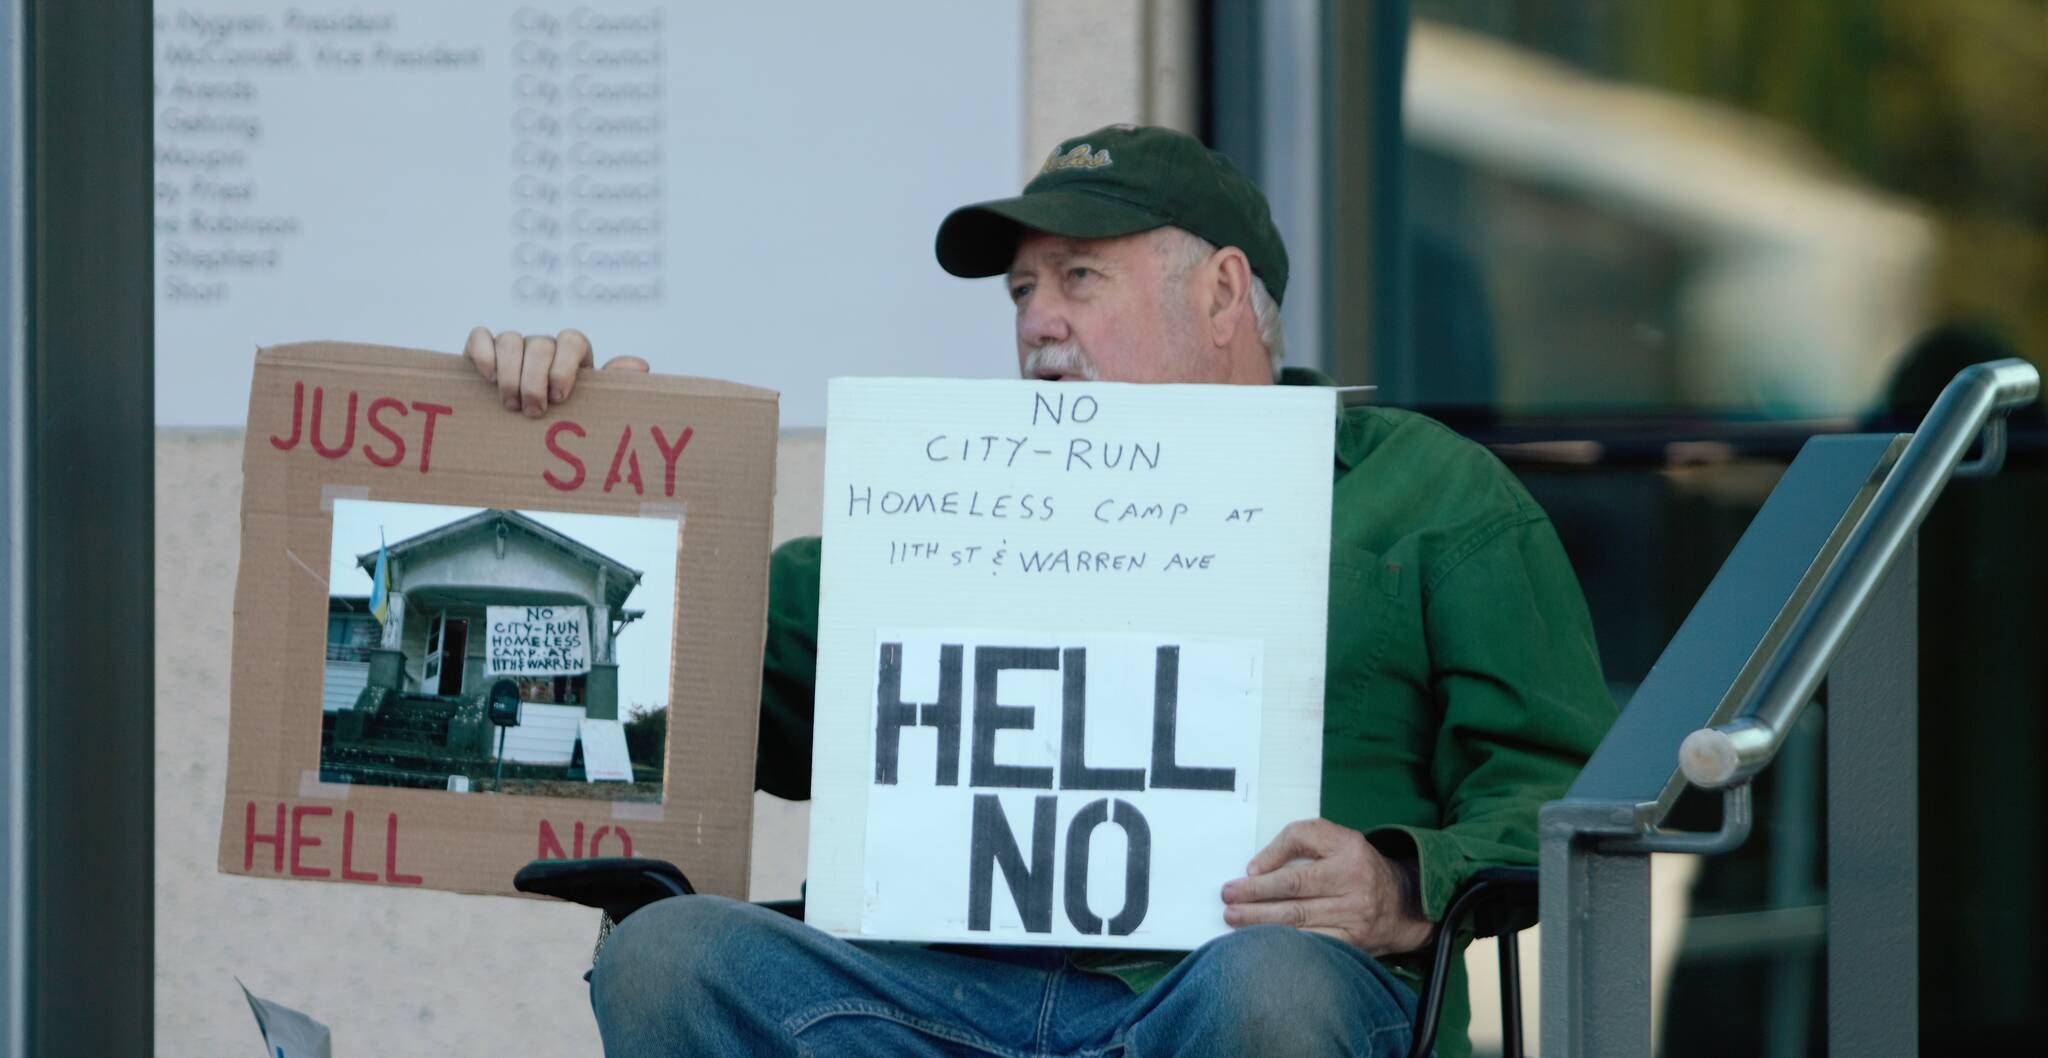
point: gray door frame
(13, 592)
(77, 588)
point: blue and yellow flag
(380, 586)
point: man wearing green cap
(1463, 689)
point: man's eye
(1019, 292)
(1079, 272)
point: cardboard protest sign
(1070, 655)
(537, 640)
(481, 563)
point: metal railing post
(1595, 907)
(1873, 823)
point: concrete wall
(1092, 63)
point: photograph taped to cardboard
(335, 428)
(498, 650)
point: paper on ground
(286, 1032)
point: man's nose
(1041, 322)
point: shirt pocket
(1365, 614)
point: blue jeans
(702, 975)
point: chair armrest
(618, 885)
(1501, 900)
(792, 908)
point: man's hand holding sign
(1064, 665)
(535, 371)
(1328, 879)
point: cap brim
(980, 240)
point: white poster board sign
(604, 751)
(1070, 655)
(536, 640)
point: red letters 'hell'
(300, 839)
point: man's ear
(1230, 295)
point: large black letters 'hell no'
(993, 844)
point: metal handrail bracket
(1737, 815)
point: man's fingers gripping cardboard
(482, 352)
(534, 373)
(511, 347)
(572, 354)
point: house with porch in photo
(409, 694)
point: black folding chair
(1498, 902)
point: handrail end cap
(1708, 758)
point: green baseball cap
(1121, 180)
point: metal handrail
(1974, 404)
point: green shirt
(1463, 687)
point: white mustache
(1059, 358)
